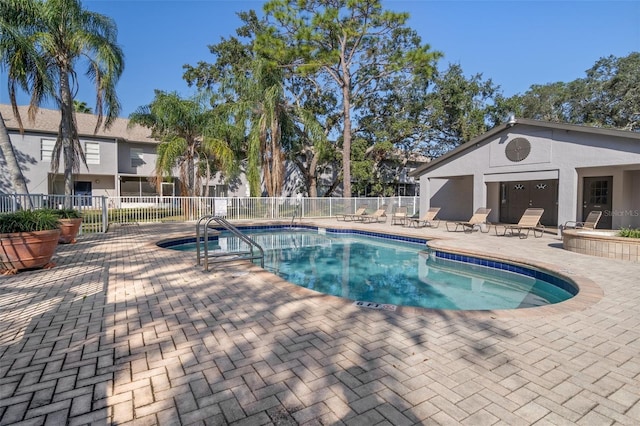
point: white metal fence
(99, 212)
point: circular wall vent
(517, 149)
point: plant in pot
(28, 240)
(629, 233)
(70, 221)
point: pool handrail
(235, 231)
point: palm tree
(259, 102)
(81, 106)
(186, 129)
(16, 48)
(63, 35)
(15, 172)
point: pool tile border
(168, 242)
(529, 271)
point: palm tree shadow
(160, 337)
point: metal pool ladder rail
(219, 257)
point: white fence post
(105, 215)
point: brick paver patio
(122, 332)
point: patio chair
(477, 221)
(590, 222)
(530, 221)
(429, 219)
(354, 216)
(399, 216)
(376, 216)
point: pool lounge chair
(399, 216)
(376, 216)
(429, 219)
(477, 221)
(354, 216)
(530, 221)
(590, 222)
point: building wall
(629, 213)
(27, 151)
(568, 151)
(493, 201)
(144, 167)
(555, 154)
(101, 185)
(456, 207)
(108, 157)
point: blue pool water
(385, 271)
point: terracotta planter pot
(69, 229)
(27, 250)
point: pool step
(225, 256)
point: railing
(224, 256)
(94, 209)
(98, 212)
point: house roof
(419, 171)
(48, 121)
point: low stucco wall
(601, 244)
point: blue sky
(515, 43)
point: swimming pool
(396, 270)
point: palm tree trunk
(66, 133)
(313, 176)
(191, 170)
(15, 173)
(208, 177)
(278, 163)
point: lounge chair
(429, 219)
(399, 216)
(477, 221)
(354, 216)
(376, 216)
(590, 223)
(530, 221)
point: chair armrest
(573, 224)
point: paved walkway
(121, 332)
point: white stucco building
(120, 160)
(568, 170)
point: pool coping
(589, 293)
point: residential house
(120, 160)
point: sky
(514, 43)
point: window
(599, 193)
(82, 191)
(46, 149)
(92, 152)
(136, 187)
(136, 157)
(168, 189)
(216, 190)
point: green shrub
(67, 213)
(28, 221)
(629, 233)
